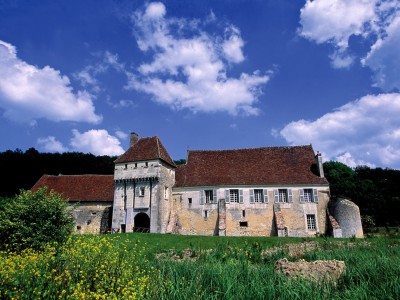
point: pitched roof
(146, 149)
(80, 187)
(257, 166)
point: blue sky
(81, 75)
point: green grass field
(150, 266)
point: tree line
(375, 190)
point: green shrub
(32, 219)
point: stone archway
(142, 223)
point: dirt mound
(317, 271)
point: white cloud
(51, 144)
(98, 142)
(122, 135)
(384, 58)
(189, 66)
(88, 76)
(28, 92)
(335, 21)
(232, 46)
(366, 131)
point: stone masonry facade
(270, 191)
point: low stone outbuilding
(90, 196)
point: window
(308, 195)
(205, 214)
(311, 225)
(243, 224)
(234, 195)
(190, 200)
(166, 193)
(141, 191)
(135, 165)
(283, 197)
(126, 166)
(244, 213)
(258, 196)
(209, 196)
(146, 164)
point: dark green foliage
(342, 179)
(23, 169)
(375, 191)
(32, 219)
(181, 161)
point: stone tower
(144, 176)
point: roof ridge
(255, 148)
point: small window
(78, 227)
(209, 196)
(311, 225)
(190, 200)
(126, 166)
(258, 196)
(166, 192)
(205, 214)
(283, 195)
(141, 191)
(243, 224)
(135, 165)
(244, 213)
(234, 195)
(308, 195)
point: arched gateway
(142, 223)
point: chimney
(134, 139)
(319, 164)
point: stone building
(256, 192)
(270, 191)
(90, 196)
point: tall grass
(125, 266)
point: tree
(32, 219)
(342, 178)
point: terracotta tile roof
(146, 149)
(257, 166)
(80, 187)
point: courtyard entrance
(142, 223)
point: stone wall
(153, 176)
(248, 219)
(92, 217)
(347, 214)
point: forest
(375, 190)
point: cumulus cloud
(51, 144)
(97, 142)
(366, 131)
(189, 66)
(335, 21)
(28, 92)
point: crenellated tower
(144, 176)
